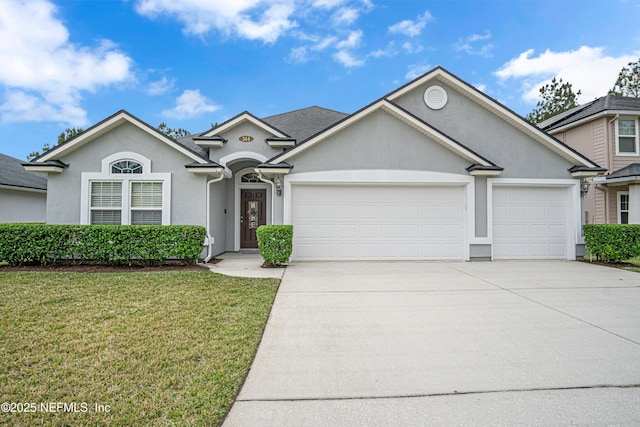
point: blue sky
(191, 63)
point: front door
(252, 215)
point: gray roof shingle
(306, 122)
(606, 103)
(13, 174)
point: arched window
(126, 166)
(251, 177)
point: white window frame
(618, 152)
(126, 179)
(619, 205)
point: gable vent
(435, 97)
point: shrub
(612, 242)
(275, 243)
(112, 244)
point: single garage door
(367, 222)
(530, 222)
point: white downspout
(273, 195)
(209, 237)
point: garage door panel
(530, 222)
(383, 222)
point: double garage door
(424, 222)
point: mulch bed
(103, 268)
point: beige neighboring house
(606, 131)
(23, 194)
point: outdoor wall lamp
(278, 183)
(584, 188)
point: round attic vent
(435, 97)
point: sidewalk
(241, 264)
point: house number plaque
(245, 138)
(253, 215)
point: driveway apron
(430, 343)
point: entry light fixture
(278, 183)
(584, 188)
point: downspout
(273, 194)
(209, 237)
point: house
(606, 130)
(23, 194)
(435, 170)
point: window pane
(126, 166)
(106, 194)
(106, 217)
(146, 217)
(627, 127)
(624, 202)
(624, 217)
(146, 194)
(627, 144)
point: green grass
(170, 348)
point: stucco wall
(379, 141)
(187, 189)
(233, 144)
(488, 135)
(22, 206)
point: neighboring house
(23, 194)
(606, 130)
(434, 170)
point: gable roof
(245, 116)
(12, 174)
(609, 104)
(397, 112)
(445, 77)
(111, 122)
(303, 123)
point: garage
(378, 222)
(531, 222)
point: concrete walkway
(418, 343)
(244, 265)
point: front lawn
(169, 348)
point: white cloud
(351, 42)
(264, 20)
(298, 55)
(588, 69)
(471, 46)
(346, 16)
(347, 59)
(416, 70)
(411, 28)
(190, 104)
(411, 48)
(161, 86)
(44, 73)
(387, 52)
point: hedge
(275, 243)
(112, 244)
(612, 242)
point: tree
(64, 136)
(628, 83)
(173, 133)
(556, 97)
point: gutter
(208, 219)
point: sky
(192, 63)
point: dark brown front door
(253, 204)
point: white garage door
(361, 222)
(530, 222)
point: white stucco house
(435, 170)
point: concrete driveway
(421, 343)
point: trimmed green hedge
(275, 243)
(612, 242)
(112, 244)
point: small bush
(112, 244)
(612, 242)
(275, 243)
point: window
(627, 137)
(623, 207)
(126, 166)
(251, 177)
(106, 202)
(126, 192)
